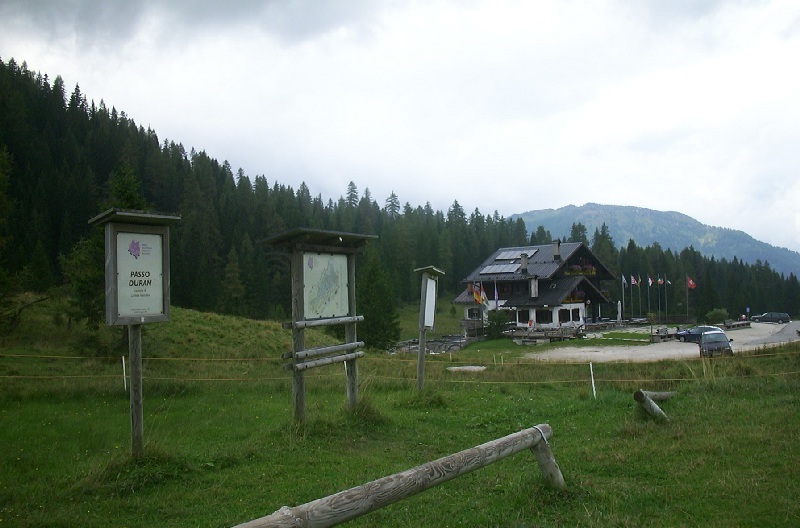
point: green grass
(446, 320)
(221, 448)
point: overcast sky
(508, 106)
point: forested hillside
(64, 159)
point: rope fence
(507, 365)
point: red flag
(633, 281)
(690, 283)
(660, 281)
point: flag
(495, 296)
(640, 280)
(649, 281)
(668, 282)
(633, 281)
(476, 293)
(483, 296)
(690, 283)
(660, 281)
(624, 282)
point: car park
(692, 335)
(772, 317)
(715, 343)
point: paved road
(758, 336)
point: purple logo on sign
(133, 249)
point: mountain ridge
(670, 229)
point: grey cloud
(98, 23)
(89, 22)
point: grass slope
(221, 448)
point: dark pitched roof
(505, 263)
(552, 292)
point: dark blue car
(692, 335)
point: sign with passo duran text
(136, 266)
(139, 275)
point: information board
(325, 285)
(140, 288)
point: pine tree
(380, 329)
(232, 294)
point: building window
(563, 315)
(474, 313)
(544, 317)
(576, 315)
(523, 316)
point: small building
(542, 287)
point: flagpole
(639, 284)
(686, 283)
(631, 299)
(658, 295)
(666, 309)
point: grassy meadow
(221, 448)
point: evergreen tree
(380, 329)
(577, 233)
(392, 206)
(541, 237)
(232, 295)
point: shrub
(717, 315)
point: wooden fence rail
(349, 504)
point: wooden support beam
(299, 367)
(648, 401)
(321, 351)
(349, 504)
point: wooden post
(135, 356)
(298, 338)
(349, 504)
(350, 366)
(547, 462)
(648, 401)
(427, 310)
(422, 337)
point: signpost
(427, 309)
(323, 294)
(137, 288)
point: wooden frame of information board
(323, 294)
(137, 287)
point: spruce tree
(380, 329)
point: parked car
(715, 343)
(772, 317)
(692, 335)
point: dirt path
(759, 335)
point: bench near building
(543, 287)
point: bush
(497, 323)
(717, 315)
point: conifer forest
(65, 158)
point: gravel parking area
(758, 336)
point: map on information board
(325, 285)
